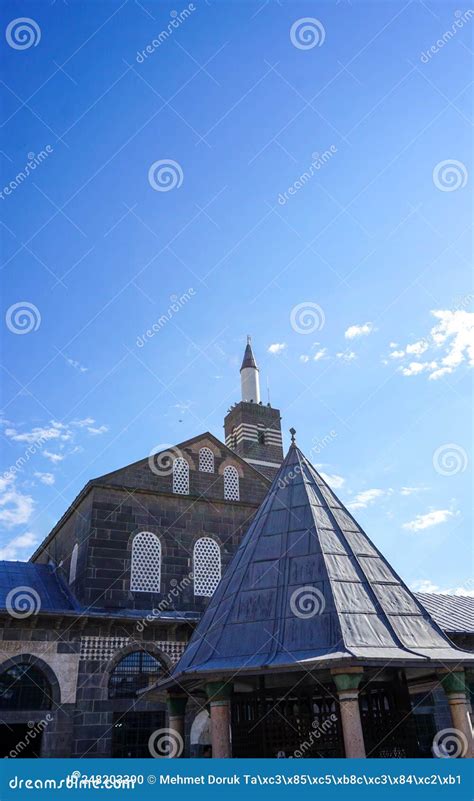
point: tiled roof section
(41, 581)
(454, 613)
(306, 586)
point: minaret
(252, 429)
(249, 378)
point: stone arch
(229, 462)
(201, 729)
(39, 664)
(149, 647)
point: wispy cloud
(55, 458)
(367, 498)
(77, 365)
(347, 355)
(16, 508)
(362, 330)
(15, 548)
(277, 347)
(449, 344)
(334, 481)
(428, 520)
(425, 585)
(45, 478)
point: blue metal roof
(306, 586)
(37, 582)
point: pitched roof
(308, 586)
(40, 587)
(249, 358)
(454, 613)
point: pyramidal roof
(249, 358)
(308, 586)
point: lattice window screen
(181, 476)
(73, 565)
(206, 566)
(206, 460)
(231, 484)
(146, 563)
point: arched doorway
(26, 695)
(200, 734)
(133, 721)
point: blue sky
(318, 197)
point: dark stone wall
(134, 499)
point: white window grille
(73, 564)
(146, 563)
(206, 460)
(206, 566)
(181, 476)
(231, 484)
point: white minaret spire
(249, 377)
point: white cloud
(417, 348)
(53, 457)
(16, 508)
(46, 478)
(425, 585)
(347, 356)
(334, 481)
(414, 368)
(87, 421)
(319, 354)
(359, 330)
(428, 520)
(277, 347)
(99, 430)
(411, 490)
(304, 358)
(366, 498)
(450, 344)
(12, 549)
(40, 433)
(77, 365)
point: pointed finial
(249, 339)
(292, 432)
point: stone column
(347, 683)
(176, 710)
(219, 695)
(454, 685)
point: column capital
(347, 679)
(453, 682)
(176, 704)
(218, 691)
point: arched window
(24, 686)
(134, 672)
(206, 566)
(181, 476)
(73, 564)
(146, 563)
(231, 484)
(206, 460)
(261, 435)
